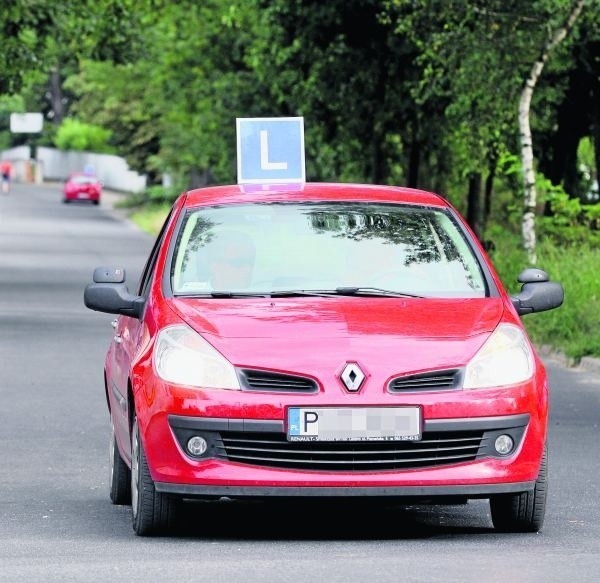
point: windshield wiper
(345, 291)
(338, 291)
(226, 294)
(373, 291)
(241, 294)
(288, 293)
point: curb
(108, 203)
(586, 363)
(590, 364)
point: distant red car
(334, 341)
(81, 186)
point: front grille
(260, 380)
(273, 450)
(429, 381)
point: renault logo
(352, 377)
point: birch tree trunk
(530, 197)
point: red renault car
(82, 187)
(332, 340)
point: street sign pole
(28, 123)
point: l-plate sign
(270, 150)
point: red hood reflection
(305, 334)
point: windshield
(324, 246)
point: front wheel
(153, 512)
(523, 512)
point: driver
(231, 260)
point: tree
(174, 109)
(576, 115)
(530, 196)
(341, 65)
(75, 135)
(32, 32)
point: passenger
(231, 261)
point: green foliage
(76, 135)
(8, 104)
(588, 172)
(585, 153)
(574, 327)
(415, 92)
(122, 99)
(566, 221)
(37, 34)
(150, 218)
(155, 196)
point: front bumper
(262, 445)
(428, 493)
(459, 431)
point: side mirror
(537, 294)
(532, 275)
(109, 275)
(109, 293)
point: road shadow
(328, 520)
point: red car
(81, 186)
(335, 341)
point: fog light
(504, 444)
(197, 445)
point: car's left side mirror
(537, 294)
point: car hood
(305, 334)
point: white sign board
(26, 123)
(270, 150)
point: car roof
(311, 191)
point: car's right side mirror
(109, 275)
(538, 293)
(109, 293)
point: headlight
(505, 359)
(183, 357)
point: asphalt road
(56, 521)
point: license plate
(83, 195)
(354, 424)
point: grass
(151, 218)
(574, 328)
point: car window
(320, 246)
(83, 179)
(146, 278)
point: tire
(523, 512)
(119, 474)
(153, 512)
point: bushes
(574, 327)
(150, 208)
(82, 137)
